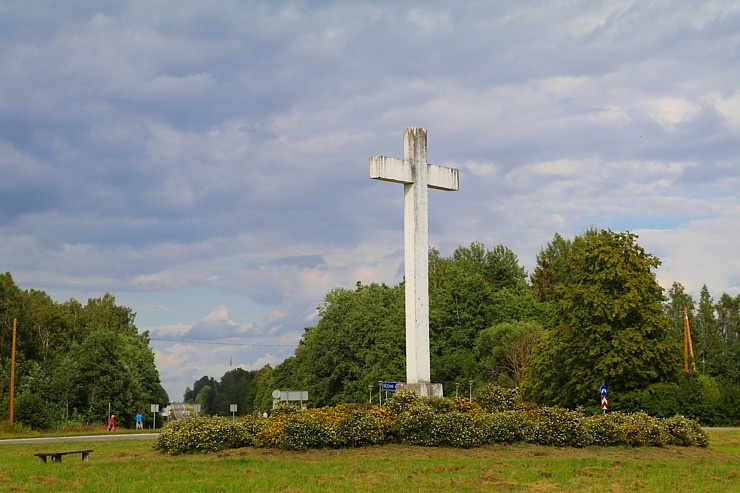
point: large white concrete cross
(416, 174)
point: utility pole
(12, 378)
(688, 348)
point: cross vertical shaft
(417, 175)
(416, 256)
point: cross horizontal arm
(390, 169)
(400, 171)
(444, 178)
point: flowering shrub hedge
(400, 402)
(685, 432)
(305, 430)
(207, 434)
(467, 406)
(502, 427)
(640, 429)
(360, 426)
(604, 429)
(415, 426)
(432, 422)
(459, 429)
(494, 398)
(555, 426)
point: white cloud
(429, 20)
(670, 112)
(697, 254)
(728, 107)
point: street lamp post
(457, 388)
(470, 382)
(370, 388)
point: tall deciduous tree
(611, 325)
(75, 359)
(504, 351)
(718, 325)
(358, 341)
(550, 269)
(99, 376)
(678, 300)
(468, 293)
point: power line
(223, 343)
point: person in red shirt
(112, 423)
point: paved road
(178, 410)
(88, 438)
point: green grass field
(132, 466)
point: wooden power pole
(688, 348)
(12, 378)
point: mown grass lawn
(132, 466)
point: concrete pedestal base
(422, 389)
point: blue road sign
(389, 385)
(603, 389)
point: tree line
(74, 362)
(590, 313)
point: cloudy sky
(207, 162)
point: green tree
(76, 359)
(98, 376)
(611, 325)
(357, 341)
(206, 397)
(504, 351)
(728, 332)
(718, 326)
(146, 386)
(709, 344)
(678, 300)
(550, 269)
(236, 387)
(263, 387)
(468, 293)
(519, 304)
(191, 394)
(284, 376)
(10, 308)
(45, 327)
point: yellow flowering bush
(384, 416)
(494, 398)
(401, 402)
(305, 430)
(640, 429)
(415, 426)
(359, 426)
(501, 427)
(205, 435)
(686, 432)
(424, 421)
(605, 429)
(555, 426)
(269, 435)
(467, 406)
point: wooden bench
(57, 456)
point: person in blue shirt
(139, 424)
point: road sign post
(604, 401)
(155, 410)
(388, 386)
